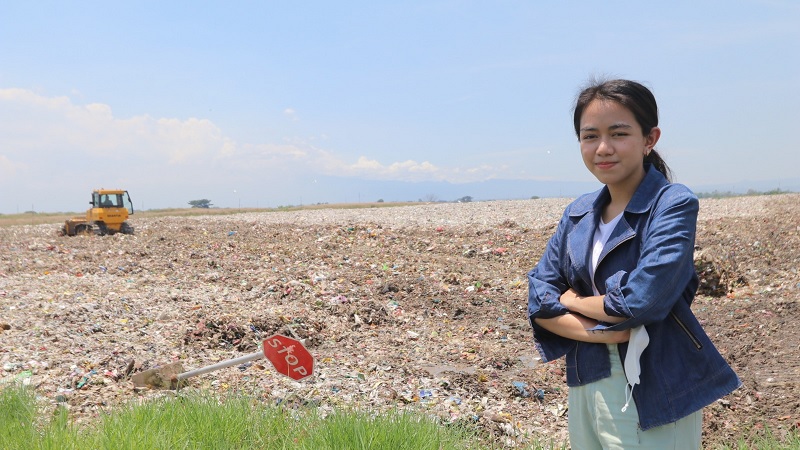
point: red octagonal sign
(288, 356)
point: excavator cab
(106, 199)
(108, 215)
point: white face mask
(636, 345)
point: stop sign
(288, 356)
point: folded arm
(592, 307)
(577, 327)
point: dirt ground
(430, 317)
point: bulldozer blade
(163, 377)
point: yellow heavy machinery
(108, 215)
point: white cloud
(408, 170)
(35, 123)
(35, 129)
(55, 150)
(257, 157)
(366, 164)
(290, 113)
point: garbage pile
(418, 307)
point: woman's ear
(652, 138)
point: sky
(265, 103)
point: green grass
(193, 421)
(766, 440)
(17, 416)
(198, 422)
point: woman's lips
(605, 165)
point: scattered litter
(521, 388)
(421, 306)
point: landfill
(417, 307)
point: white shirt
(639, 337)
(601, 235)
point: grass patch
(400, 430)
(17, 415)
(766, 440)
(195, 421)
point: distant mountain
(348, 190)
(742, 187)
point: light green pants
(597, 422)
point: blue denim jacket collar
(588, 208)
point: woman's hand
(592, 307)
(576, 326)
(569, 298)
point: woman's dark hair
(632, 95)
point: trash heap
(419, 307)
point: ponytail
(659, 164)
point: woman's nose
(604, 147)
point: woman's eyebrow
(615, 126)
(619, 125)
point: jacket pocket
(698, 345)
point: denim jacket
(646, 273)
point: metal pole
(221, 365)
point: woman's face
(613, 146)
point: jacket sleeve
(665, 266)
(546, 283)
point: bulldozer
(108, 215)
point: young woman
(614, 287)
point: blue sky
(276, 103)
